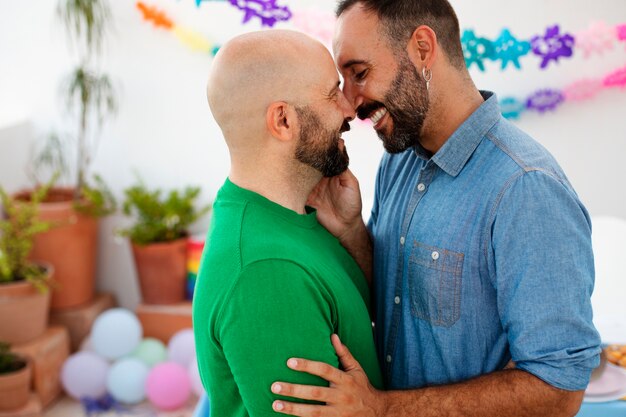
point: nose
(352, 94)
(346, 107)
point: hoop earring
(428, 75)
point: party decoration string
(190, 38)
(551, 46)
(266, 10)
(544, 100)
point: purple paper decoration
(508, 49)
(544, 100)
(266, 10)
(95, 406)
(553, 45)
(476, 50)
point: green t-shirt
(273, 284)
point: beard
(318, 146)
(407, 104)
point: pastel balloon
(84, 374)
(151, 351)
(116, 333)
(182, 348)
(194, 378)
(127, 380)
(168, 386)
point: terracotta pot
(71, 248)
(15, 388)
(162, 271)
(23, 311)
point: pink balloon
(168, 386)
(194, 377)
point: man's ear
(423, 47)
(281, 121)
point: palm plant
(89, 94)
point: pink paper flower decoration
(316, 23)
(582, 90)
(597, 38)
(621, 32)
(616, 78)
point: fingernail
(292, 363)
(278, 406)
(276, 388)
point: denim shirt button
(388, 358)
(396, 300)
(402, 240)
(421, 187)
(435, 255)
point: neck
(451, 105)
(287, 186)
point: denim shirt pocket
(435, 284)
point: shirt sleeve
(543, 259)
(276, 311)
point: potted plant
(23, 284)
(15, 375)
(77, 206)
(159, 239)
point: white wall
(165, 132)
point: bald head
(256, 69)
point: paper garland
(267, 10)
(544, 100)
(550, 47)
(190, 38)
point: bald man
(273, 282)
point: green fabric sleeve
(275, 311)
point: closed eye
(359, 77)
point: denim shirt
(482, 255)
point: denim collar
(456, 151)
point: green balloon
(150, 351)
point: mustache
(365, 110)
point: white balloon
(182, 348)
(84, 374)
(127, 380)
(116, 333)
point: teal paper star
(509, 49)
(475, 50)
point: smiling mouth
(377, 115)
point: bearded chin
(405, 134)
(407, 103)
(335, 163)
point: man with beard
(272, 280)
(482, 258)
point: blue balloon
(127, 380)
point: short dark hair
(400, 18)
